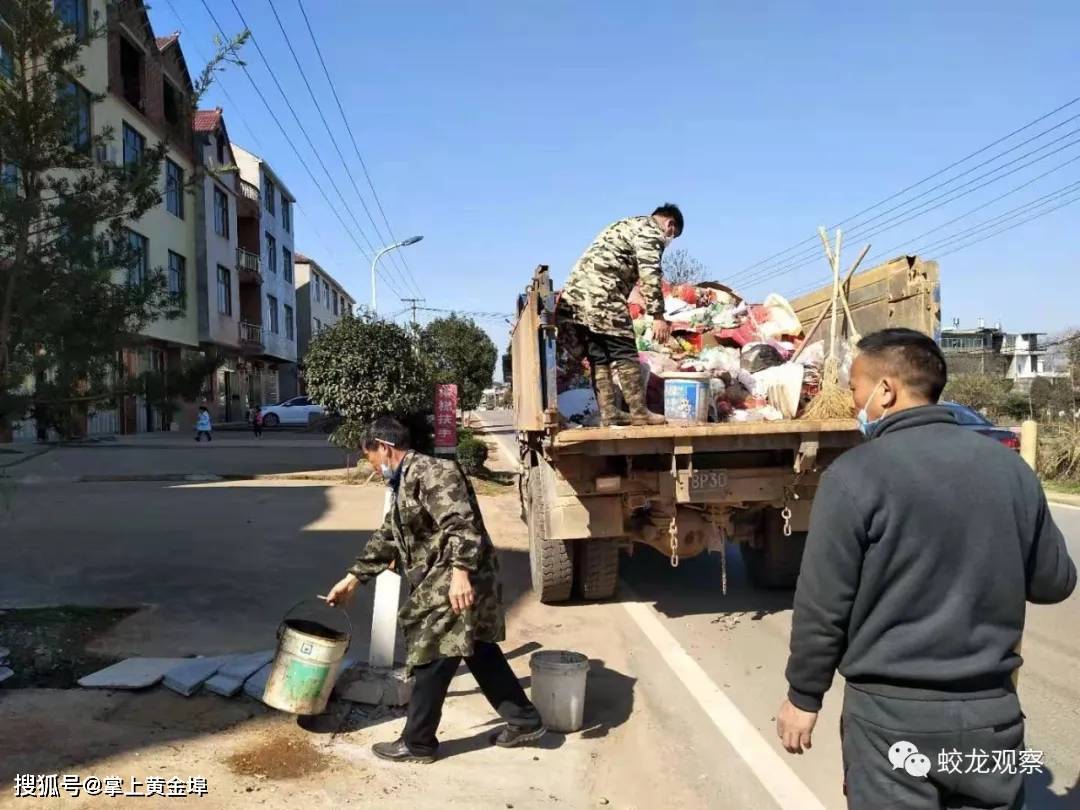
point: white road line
(775, 775)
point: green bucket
(307, 664)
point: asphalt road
(740, 640)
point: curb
(188, 478)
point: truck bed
(708, 437)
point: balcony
(247, 267)
(251, 340)
(249, 201)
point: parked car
(295, 411)
(973, 420)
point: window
(286, 215)
(177, 275)
(272, 309)
(7, 63)
(270, 194)
(73, 14)
(315, 286)
(290, 323)
(174, 189)
(75, 95)
(286, 257)
(9, 177)
(271, 253)
(220, 149)
(326, 294)
(170, 102)
(221, 213)
(318, 325)
(131, 73)
(335, 304)
(224, 290)
(138, 270)
(134, 144)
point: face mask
(866, 425)
(386, 470)
(668, 240)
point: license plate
(708, 482)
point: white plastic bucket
(558, 688)
(686, 398)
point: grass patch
(1065, 487)
(48, 645)
(489, 482)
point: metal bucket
(307, 664)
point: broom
(832, 400)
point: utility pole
(414, 303)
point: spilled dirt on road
(279, 756)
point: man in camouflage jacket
(594, 314)
(435, 537)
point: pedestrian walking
(924, 545)
(256, 418)
(203, 426)
(594, 310)
(435, 537)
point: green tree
(364, 367)
(460, 352)
(67, 306)
(681, 268)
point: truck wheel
(775, 564)
(550, 561)
(597, 568)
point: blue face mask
(867, 426)
(387, 471)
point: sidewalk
(1064, 498)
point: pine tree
(72, 291)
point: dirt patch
(49, 645)
(490, 482)
(279, 757)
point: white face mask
(866, 424)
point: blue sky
(509, 133)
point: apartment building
(265, 265)
(320, 301)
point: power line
(1005, 230)
(926, 207)
(352, 138)
(299, 157)
(926, 179)
(333, 140)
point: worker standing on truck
(435, 537)
(594, 308)
(924, 545)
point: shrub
(472, 455)
(1059, 451)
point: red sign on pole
(446, 405)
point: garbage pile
(747, 355)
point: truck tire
(597, 568)
(550, 561)
(775, 564)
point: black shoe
(511, 737)
(398, 751)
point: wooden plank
(675, 433)
(525, 351)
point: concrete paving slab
(5, 673)
(256, 684)
(193, 673)
(132, 673)
(224, 685)
(4, 653)
(243, 667)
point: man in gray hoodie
(925, 543)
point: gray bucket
(558, 688)
(307, 664)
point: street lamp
(412, 240)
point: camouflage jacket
(433, 526)
(600, 284)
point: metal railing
(251, 191)
(246, 260)
(250, 334)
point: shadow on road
(1040, 796)
(695, 587)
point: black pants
(200, 433)
(497, 681)
(605, 350)
(873, 725)
(257, 430)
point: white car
(295, 411)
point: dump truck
(589, 494)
